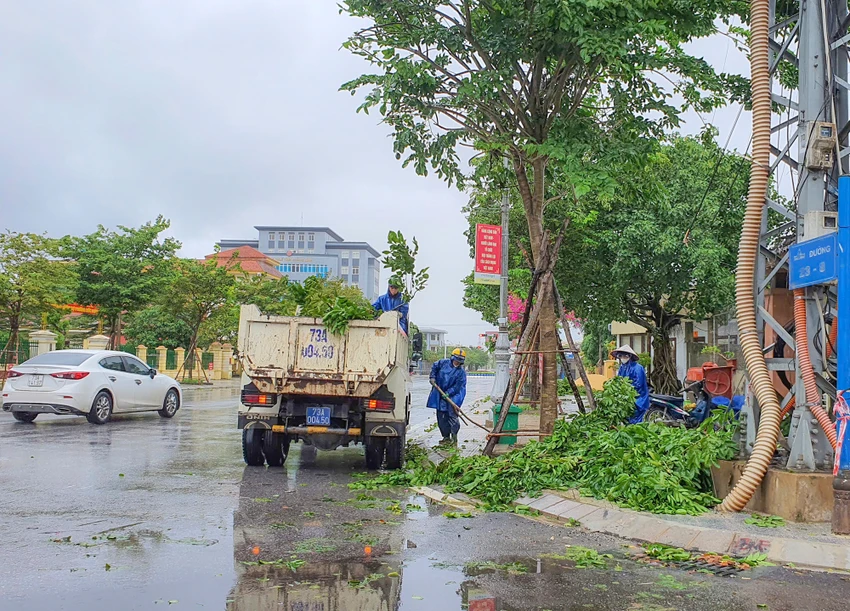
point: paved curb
(605, 518)
(602, 517)
(457, 501)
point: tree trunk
(534, 374)
(9, 352)
(548, 345)
(663, 374)
(14, 334)
(113, 333)
(533, 198)
(531, 324)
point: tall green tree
(198, 292)
(668, 243)
(121, 271)
(656, 246)
(157, 326)
(32, 281)
(526, 78)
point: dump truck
(303, 384)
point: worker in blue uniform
(449, 375)
(393, 301)
(634, 371)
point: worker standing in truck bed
(393, 301)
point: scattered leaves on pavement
(763, 521)
(458, 514)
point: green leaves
(400, 259)
(763, 521)
(32, 280)
(121, 270)
(665, 553)
(510, 74)
(586, 558)
(649, 467)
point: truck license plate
(36, 379)
(318, 416)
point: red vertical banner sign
(488, 254)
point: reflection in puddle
(359, 586)
(362, 586)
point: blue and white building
(318, 251)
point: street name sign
(813, 262)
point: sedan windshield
(59, 357)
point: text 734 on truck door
(302, 383)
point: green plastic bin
(511, 422)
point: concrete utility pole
(503, 343)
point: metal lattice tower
(810, 38)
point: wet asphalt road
(146, 513)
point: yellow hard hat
(459, 354)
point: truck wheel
(375, 452)
(252, 447)
(276, 448)
(395, 452)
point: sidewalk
(233, 383)
(809, 545)
(803, 545)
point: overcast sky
(221, 115)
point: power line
(714, 174)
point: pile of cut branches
(648, 467)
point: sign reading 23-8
(318, 348)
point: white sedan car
(90, 383)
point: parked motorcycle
(670, 409)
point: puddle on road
(419, 584)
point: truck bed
(297, 355)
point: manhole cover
(702, 565)
(695, 564)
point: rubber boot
(454, 439)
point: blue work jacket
(453, 382)
(388, 303)
(636, 374)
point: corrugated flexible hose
(813, 398)
(833, 340)
(768, 431)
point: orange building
(247, 260)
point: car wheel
(171, 404)
(375, 452)
(395, 452)
(101, 408)
(24, 416)
(276, 448)
(252, 447)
